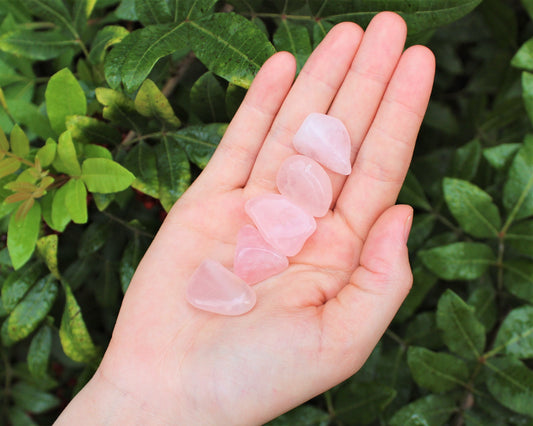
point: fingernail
(407, 227)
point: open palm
(316, 323)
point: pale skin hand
(315, 324)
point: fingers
(313, 91)
(363, 309)
(384, 156)
(232, 162)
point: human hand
(313, 325)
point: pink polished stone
(325, 139)
(214, 288)
(303, 181)
(255, 259)
(281, 223)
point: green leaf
(423, 281)
(293, 38)
(153, 12)
(129, 261)
(39, 352)
(8, 166)
(437, 371)
(37, 45)
(47, 248)
(104, 39)
(173, 170)
(483, 300)
(52, 10)
(18, 417)
(64, 96)
(131, 60)
(60, 216)
(511, 383)
(66, 153)
(32, 399)
(208, 100)
(47, 153)
(472, 208)
(466, 159)
(20, 145)
(302, 415)
(524, 57)
(363, 401)
(431, 410)
(200, 142)
(234, 98)
(515, 336)
(4, 143)
(96, 151)
(32, 309)
(412, 193)
(118, 108)
(518, 190)
(500, 156)
(461, 330)
(520, 237)
(75, 339)
(150, 102)
(76, 194)
(17, 284)
(105, 176)
(91, 130)
(230, 46)
(142, 163)
(82, 11)
(458, 261)
(191, 9)
(518, 278)
(22, 235)
(93, 239)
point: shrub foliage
(110, 109)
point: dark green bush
(116, 106)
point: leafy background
(110, 109)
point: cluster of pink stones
(283, 222)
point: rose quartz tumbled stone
(214, 288)
(304, 182)
(281, 223)
(255, 259)
(326, 140)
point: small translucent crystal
(255, 259)
(304, 182)
(281, 223)
(214, 288)
(325, 139)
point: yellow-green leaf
(47, 249)
(20, 145)
(22, 236)
(76, 194)
(67, 154)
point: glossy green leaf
(208, 100)
(59, 214)
(437, 371)
(153, 12)
(141, 161)
(461, 330)
(66, 153)
(32, 309)
(518, 278)
(483, 300)
(173, 170)
(52, 10)
(22, 236)
(501, 156)
(33, 399)
(104, 39)
(150, 102)
(64, 97)
(511, 383)
(520, 238)
(20, 145)
(430, 410)
(76, 194)
(75, 339)
(37, 45)
(90, 130)
(515, 336)
(412, 193)
(17, 284)
(105, 176)
(466, 159)
(518, 190)
(47, 249)
(118, 108)
(524, 57)
(293, 38)
(47, 153)
(200, 142)
(472, 208)
(191, 9)
(230, 46)
(131, 60)
(39, 352)
(8, 166)
(458, 261)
